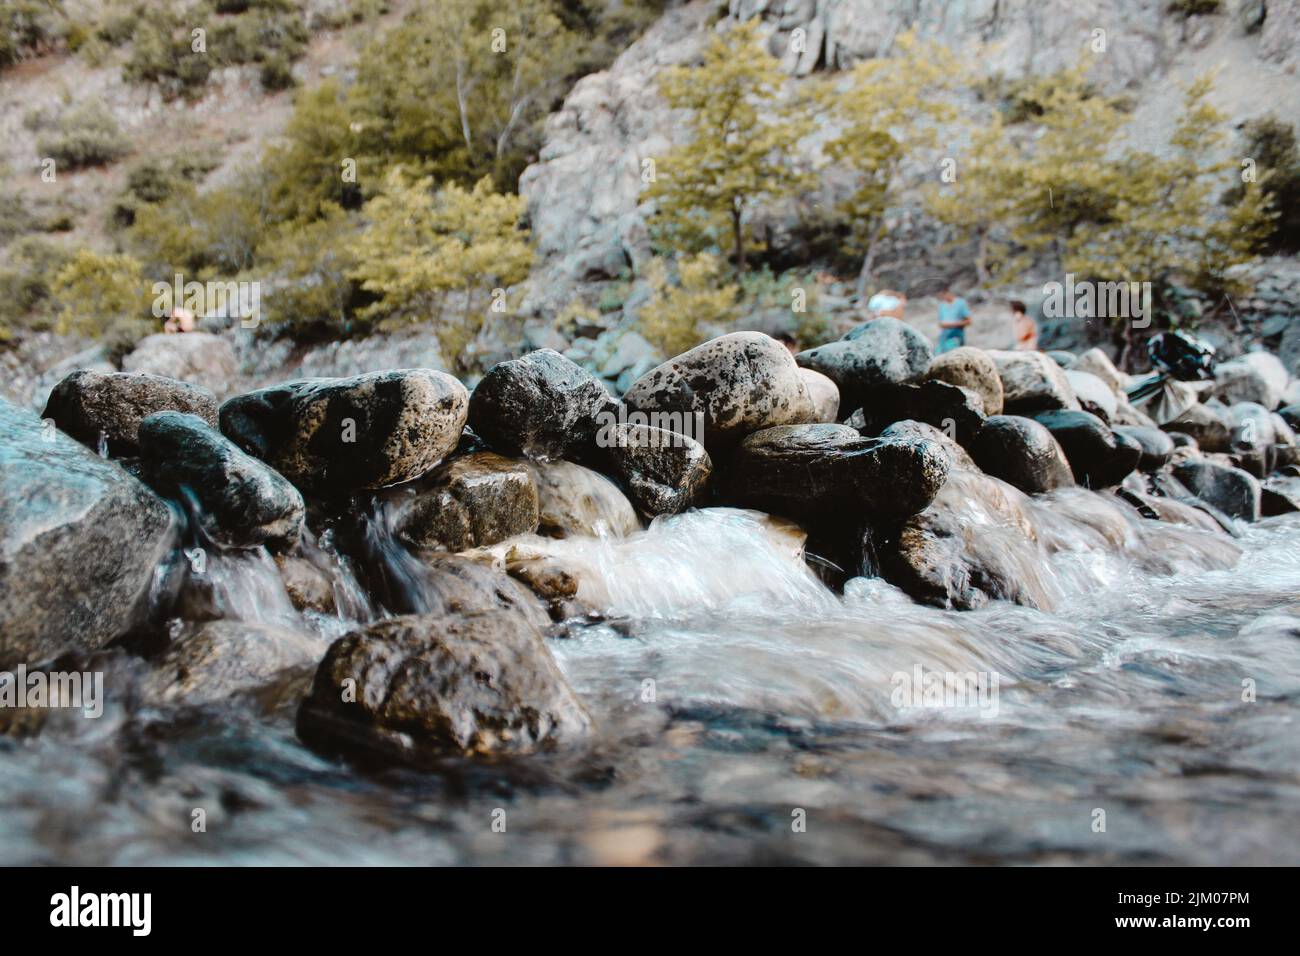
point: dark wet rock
(540, 405)
(1251, 436)
(333, 436)
(663, 472)
(421, 686)
(738, 383)
(873, 355)
(308, 586)
(1031, 383)
(956, 411)
(973, 544)
(93, 405)
(465, 584)
(199, 357)
(1170, 510)
(1291, 415)
(1098, 456)
(832, 470)
(823, 393)
(242, 503)
(79, 541)
(958, 457)
(1203, 423)
(1279, 495)
(218, 659)
(970, 368)
(1094, 395)
(469, 502)
(1157, 446)
(575, 500)
(1231, 490)
(1023, 453)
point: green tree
(677, 315)
(312, 265)
(440, 256)
(104, 296)
(1270, 145)
(741, 151)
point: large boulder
(1031, 383)
(970, 368)
(1023, 453)
(871, 356)
(197, 357)
(421, 686)
(540, 405)
(663, 472)
(824, 394)
(1098, 456)
(79, 541)
(472, 501)
(1257, 377)
(575, 500)
(335, 436)
(822, 470)
(976, 542)
(1157, 448)
(95, 407)
(1230, 490)
(1203, 423)
(242, 503)
(737, 384)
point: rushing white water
(732, 689)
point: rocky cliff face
(584, 191)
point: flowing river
(748, 714)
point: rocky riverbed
(368, 619)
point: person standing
(954, 319)
(1023, 327)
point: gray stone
(1231, 490)
(197, 357)
(575, 500)
(874, 355)
(663, 472)
(215, 660)
(336, 436)
(1094, 395)
(1098, 456)
(1023, 453)
(242, 503)
(94, 406)
(79, 541)
(824, 394)
(1203, 423)
(970, 368)
(1031, 383)
(471, 501)
(1157, 447)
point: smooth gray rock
(1157, 447)
(1031, 383)
(92, 405)
(336, 436)
(1023, 453)
(576, 500)
(242, 502)
(873, 355)
(79, 541)
(1231, 490)
(953, 409)
(472, 501)
(970, 368)
(1094, 394)
(199, 357)
(824, 394)
(663, 472)
(1203, 423)
(1098, 456)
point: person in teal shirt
(954, 317)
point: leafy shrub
(28, 27)
(86, 135)
(681, 315)
(276, 74)
(1271, 143)
(25, 285)
(105, 296)
(156, 180)
(162, 54)
(312, 291)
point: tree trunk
(737, 238)
(867, 272)
(982, 258)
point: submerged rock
(970, 368)
(663, 472)
(737, 383)
(94, 406)
(79, 541)
(333, 436)
(973, 544)
(541, 405)
(1031, 383)
(470, 502)
(1231, 490)
(242, 502)
(420, 686)
(873, 355)
(218, 659)
(1023, 453)
(575, 500)
(1098, 456)
(832, 470)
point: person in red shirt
(1024, 327)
